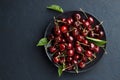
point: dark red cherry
(70, 39)
(92, 46)
(69, 59)
(76, 57)
(84, 59)
(97, 28)
(90, 20)
(52, 49)
(78, 49)
(86, 24)
(64, 29)
(66, 35)
(58, 53)
(62, 40)
(51, 37)
(58, 39)
(101, 34)
(81, 64)
(96, 49)
(69, 21)
(80, 38)
(57, 31)
(69, 46)
(76, 24)
(91, 34)
(88, 53)
(75, 32)
(62, 47)
(85, 41)
(70, 52)
(77, 16)
(62, 60)
(56, 59)
(74, 61)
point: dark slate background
(23, 22)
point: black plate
(69, 14)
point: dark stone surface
(23, 22)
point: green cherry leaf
(98, 42)
(60, 70)
(55, 8)
(42, 42)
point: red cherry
(92, 46)
(56, 59)
(57, 39)
(76, 23)
(78, 49)
(75, 32)
(90, 20)
(57, 31)
(76, 56)
(88, 53)
(81, 64)
(62, 47)
(69, 21)
(84, 58)
(62, 60)
(51, 37)
(86, 24)
(69, 59)
(63, 40)
(63, 29)
(52, 49)
(74, 61)
(70, 52)
(97, 28)
(101, 34)
(77, 16)
(97, 49)
(85, 41)
(70, 39)
(69, 46)
(80, 38)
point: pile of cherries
(69, 44)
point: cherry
(81, 64)
(76, 57)
(92, 34)
(63, 19)
(101, 34)
(78, 49)
(62, 60)
(64, 29)
(62, 47)
(57, 31)
(80, 38)
(75, 32)
(69, 21)
(52, 49)
(86, 24)
(56, 59)
(51, 37)
(77, 16)
(70, 39)
(58, 53)
(83, 20)
(70, 52)
(85, 41)
(84, 58)
(69, 59)
(92, 46)
(88, 53)
(84, 33)
(69, 46)
(96, 49)
(90, 20)
(74, 61)
(58, 39)
(89, 28)
(77, 43)
(76, 23)
(97, 28)
(63, 40)
(66, 34)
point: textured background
(23, 22)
